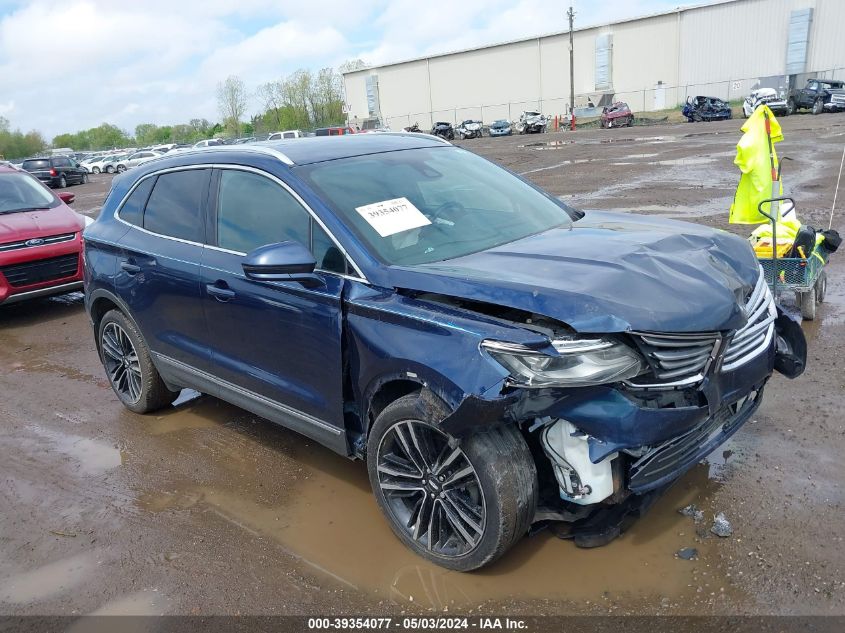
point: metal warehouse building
(724, 49)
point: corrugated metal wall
(723, 50)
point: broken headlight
(581, 362)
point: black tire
(696, 117)
(96, 170)
(121, 169)
(62, 182)
(83, 180)
(503, 480)
(110, 169)
(790, 107)
(818, 106)
(149, 392)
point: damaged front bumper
(611, 442)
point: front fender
(390, 336)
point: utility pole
(571, 15)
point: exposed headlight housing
(581, 362)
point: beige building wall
(720, 50)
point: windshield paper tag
(393, 216)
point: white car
(96, 164)
(769, 96)
(209, 142)
(278, 136)
(138, 158)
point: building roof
(678, 9)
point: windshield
(427, 205)
(21, 192)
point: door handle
(132, 269)
(220, 291)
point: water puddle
(91, 457)
(189, 411)
(329, 521)
(53, 578)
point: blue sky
(158, 61)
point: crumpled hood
(612, 272)
(30, 224)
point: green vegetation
(16, 144)
(302, 100)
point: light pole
(571, 15)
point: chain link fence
(656, 99)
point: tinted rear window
(133, 209)
(36, 164)
(175, 205)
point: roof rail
(246, 147)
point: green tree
(16, 144)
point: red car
(617, 115)
(40, 239)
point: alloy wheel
(121, 362)
(431, 488)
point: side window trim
(356, 272)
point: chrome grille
(53, 239)
(755, 336)
(676, 359)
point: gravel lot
(206, 509)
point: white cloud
(73, 65)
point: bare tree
(351, 65)
(231, 100)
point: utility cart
(805, 276)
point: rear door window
(132, 210)
(175, 205)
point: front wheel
(109, 169)
(458, 503)
(96, 170)
(790, 107)
(129, 367)
(121, 169)
(821, 287)
(818, 106)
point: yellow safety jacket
(752, 158)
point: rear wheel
(818, 106)
(129, 367)
(458, 503)
(808, 304)
(62, 182)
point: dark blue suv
(499, 359)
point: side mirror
(66, 197)
(284, 261)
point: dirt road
(206, 509)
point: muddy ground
(206, 509)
